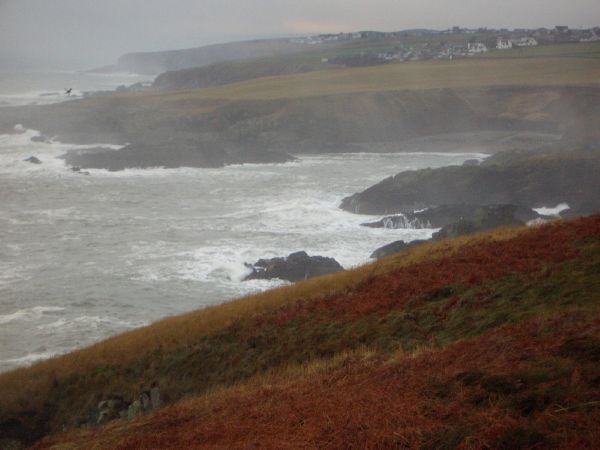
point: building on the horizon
(525, 42)
(476, 47)
(503, 44)
(590, 36)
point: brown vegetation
(533, 385)
(432, 296)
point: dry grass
(459, 74)
(525, 386)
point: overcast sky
(93, 32)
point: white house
(503, 44)
(525, 42)
(476, 47)
(592, 36)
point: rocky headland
(175, 130)
(152, 63)
(530, 179)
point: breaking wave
(29, 314)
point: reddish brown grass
(389, 284)
(466, 396)
(475, 263)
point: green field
(457, 74)
(578, 50)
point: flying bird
(68, 91)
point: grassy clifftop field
(460, 74)
(491, 341)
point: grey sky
(93, 32)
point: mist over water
(86, 257)
(41, 87)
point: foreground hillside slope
(486, 342)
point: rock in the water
(295, 267)
(394, 247)
(408, 221)
(41, 138)
(457, 220)
(79, 171)
(471, 162)
(508, 177)
(33, 160)
(445, 215)
(144, 155)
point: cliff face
(237, 131)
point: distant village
(452, 43)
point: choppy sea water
(36, 87)
(86, 257)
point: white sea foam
(17, 147)
(29, 314)
(552, 211)
(89, 323)
(38, 97)
(111, 247)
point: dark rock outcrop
(407, 220)
(459, 220)
(41, 139)
(483, 218)
(115, 407)
(33, 160)
(394, 247)
(110, 409)
(79, 171)
(144, 156)
(532, 179)
(295, 267)
(445, 215)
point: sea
(85, 257)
